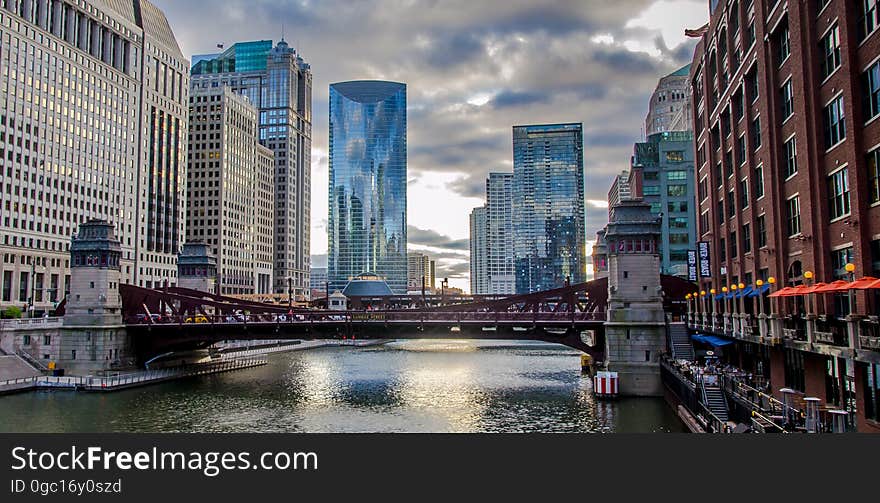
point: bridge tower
(635, 330)
(92, 335)
(197, 268)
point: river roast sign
(705, 259)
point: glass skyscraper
(548, 206)
(367, 196)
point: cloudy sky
(474, 68)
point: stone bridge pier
(635, 331)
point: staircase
(680, 339)
(715, 401)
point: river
(407, 386)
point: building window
(651, 190)
(733, 248)
(676, 175)
(704, 189)
(872, 392)
(869, 18)
(839, 259)
(783, 45)
(756, 133)
(747, 238)
(838, 194)
(794, 370)
(675, 156)
(794, 216)
(873, 163)
(731, 205)
(752, 86)
(829, 51)
(787, 100)
(835, 123)
(677, 190)
(722, 250)
(741, 149)
(871, 91)
(704, 223)
(720, 212)
(719, 174)
(762, 231)
(759, 182)
(744, 193)
(791, 165)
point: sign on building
(692, 266)
(705, 259)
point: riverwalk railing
(117, 382)
(24, 323)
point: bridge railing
(368, 317)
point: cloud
(434, 239)
(473, 70)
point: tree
(12, 312)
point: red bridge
(174, 319)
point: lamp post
(772, 281)
(712, 293)
(689, 312)
(808, 276)
(742, 299)
(289, 293)
(726, 303)
(704, 307)
(760, 284)
(851, 269)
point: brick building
(787, 138)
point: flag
(698, 33)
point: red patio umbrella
(813, 288)
(836, 287)
(785, 292)
(866, 283)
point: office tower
(93, 118)
(479, 251)
(786, 101)
(499, 239)
(548, 206)
(230, 190)
(367, 196)
(318, 279)
(620, 189)
(671, 108)
(279, 83)
(420, 272)
(664, 169)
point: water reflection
(412, 386)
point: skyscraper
(420, 272)
(479, 252)
(499, 239)
(367, 196)
(230, 202)
(279, 83)
(548, 206)
(664, 168)
(671, 107)
(93, 118)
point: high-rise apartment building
(499, 240)
(664, 176)
(548, 206)
(620, 189)
(671, 108)
(479, 251)
(279, 83)
(230, 203)
(420, 273)
(93, 118)
(367, 196)
(786, 106)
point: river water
(408, 386)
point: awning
(745, 292)
(866, 283)
(720, 296)
(813, 288)
(790, 291)
(837, 286)
(712, 340)
(757, 292)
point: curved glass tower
(367, 221)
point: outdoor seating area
(840, 314)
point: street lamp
(851, 269)
(808, 276)
(712, 293)
(771, 281)
(742, 299)
(726, 303)
(760, 284)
